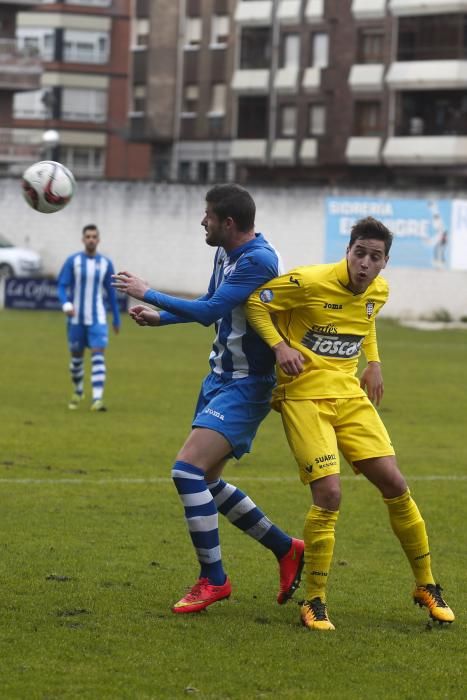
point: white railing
(79, 116)
(11, 55)
(77, 55)
(89, 3)
(17, 146)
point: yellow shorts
(317, 429)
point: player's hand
(289, 360)
(130, 284)
(144, 316)
(68, 309)
(371, 381)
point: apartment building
(20, 71)
(83, 94)
(323, 91)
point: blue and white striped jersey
(237, 350)
(86, 277)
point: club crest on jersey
(370, 307)
(266, 295)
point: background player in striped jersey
(234, 397)
(81, 284)
(323, 315)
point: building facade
(20, 72)
(320, 91)
(84, 87)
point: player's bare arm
(371, 381)
(289, 360)
(130, 284)
(144, 316)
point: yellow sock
(319, 539)
(409, 527)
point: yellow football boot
(430, 597)
(314, 615)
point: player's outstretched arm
(144, 316)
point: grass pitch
(94, 549)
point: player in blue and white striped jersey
(81, 283)
(234, 397)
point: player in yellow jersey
(317, 319)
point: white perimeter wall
(154, 231)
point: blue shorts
(234, 408)
(81, 336)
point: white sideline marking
(167, 480)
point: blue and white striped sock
(202, 519)
(97, 375)
(77, 374)
(244, 514)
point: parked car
(18, 262)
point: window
(319, 50)
(85, 47)
(288, 120)
(370, 46)
(184, 171)
(220, 171)
(84, 105)
(367, 119)
(203, 171)
(141, 29)
(83, 160)
(219, 30)
(432, 113)
(255, 47)
(30, 105)
(218, 96)
(39, 40)
(193, 28)
(190, 99)
(432, 37)
(139, 98)
(316, 120)
(290, 51)
(253, 117)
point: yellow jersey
(315, 312)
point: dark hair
(371, 228)
(90, 227)
(234, 201)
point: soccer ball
(48, 186)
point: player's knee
(326, 493)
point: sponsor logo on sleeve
(266, 295)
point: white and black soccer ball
(48, 186)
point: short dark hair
(89, 227)
(234, 201)
(371, 228)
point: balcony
(22, 4)
(411, 8)
(254, 13)
(423, 75)
(251, 81)
(20, 69)
(366, 77)
(426, 150)
(19, 147)
(363, 150)
(369, 9)
(249, 150)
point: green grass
(94, 549)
